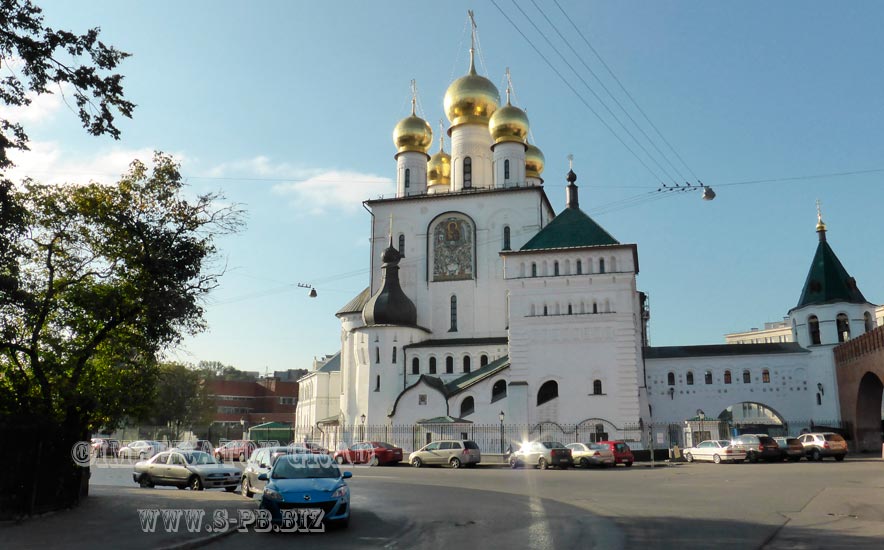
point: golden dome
(471, 99)
(412, 133)
(508, 124)
(533, 162)
(439, 167)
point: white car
(716, 450)
(141, 449)
(591, 454)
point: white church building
(485, 304)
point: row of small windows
(547, 392)
(728, 377)
(842, 327)
(564, 268)
(570, 309)
(466, 364)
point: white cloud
(335, 190)
(261, 166)
(41, 109)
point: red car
(239, 449)
(622, 453)
(373, 453)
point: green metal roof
(571, 228)
(459, 384)
(356, 304)
(827, 281)
(444, 420)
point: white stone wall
(473, 141)
(416, 164)
(318, 397)
(515, 154)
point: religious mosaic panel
(453, 250)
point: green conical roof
(827, 281)
(571, 228)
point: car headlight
(341, 491)
(270, 494)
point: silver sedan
(591, 454)
(183, 469)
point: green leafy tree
(182, 399)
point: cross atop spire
(472, 41)
(413, 96)
(441, 136)
(509, 85)
(570, 162)
(820, 225)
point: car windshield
(553, 445)
(199, 458)
(305, 467)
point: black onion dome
(389, 305)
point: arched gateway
(859, 366)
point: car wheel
(339, 459)
(716, 459)
(542, 464)
(689, 457)
(144, 481)
(816, 456)
(514, 463)
(455, 463)
(628, 464)
(374, 461)
(753, 458)
(195, 483)
(416, 462)
(839, 458)
(242, 457)
(584, 463)
(246, 488)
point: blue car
(302, 482)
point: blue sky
(288, 108)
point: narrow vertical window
(707, 377)
(377, 355)
(595, 307)
(556, 268)
(843, 325)
(727, 377)
(597, 387)
(579, 267)
(483, 360)
(533, 269)
(601, 265)
(407, 177)
(747, 377)
(545, 311)
(449, 364)
(467, 173)
(570, 310)
(453, 314)
(670, 378)
(466, 363)
(689, 378)
(506, 237)
(402, 245)
(813, 327)
(415, 366)
(394, 354)
(432, 365)
(765, 376)
(506, 170)
(377, 383)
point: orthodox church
(484, 304)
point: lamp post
(363, 427)
(702, 416)
(266, 435)
(501, 416)
(242, 423)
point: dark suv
(758, 447)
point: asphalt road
(772, 506)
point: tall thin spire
(820, 225)
(472, 42)
(441, 136)
(571, 189)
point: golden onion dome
(412, 133)
(508, 123)
(471, 99)
(533, 162)
(439, 167)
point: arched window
(506, 238)
(548, 391)
(467, 407)
(498, 390)
(597, 387)
(483, 360)
(813, 328)
(453, 314)
(377, 355)
(727, 377)
(415, 366)
(579, 267)
(533, 269)
(870, 323)
(670, 378)
(595, 307)
(613, 264)
(449, 364)
(601, 265)
(394, 354)
(707, 377)
(545, 311)
(432, 365)
(747, 377)
(522, 269)
(506, 170)
(765, 376)
(819, 399)
(377, 383)
(556, 267)
(843, 324)
(402, 245)
(570, 310)
(467, 172)
(466, 363)
(689, 378)
(407, 177)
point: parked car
(238, 449)
(622, 452)
(455, 453)
(314, 448)
(542, 454)
(182, 469)
(373, 453)
(716, 450)
(817, 446)
(791, 448)
(261, 461)
(758, 447)
(141, 449)
(307, 481)
(105, 447)
(202, 445)
(591, 454)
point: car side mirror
(262, 477)
(262, 465)
(347, 475)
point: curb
(200, 542)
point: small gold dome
(471, 99)
(508, 124)
(533, 162)
(412, 134)
(439, 167)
